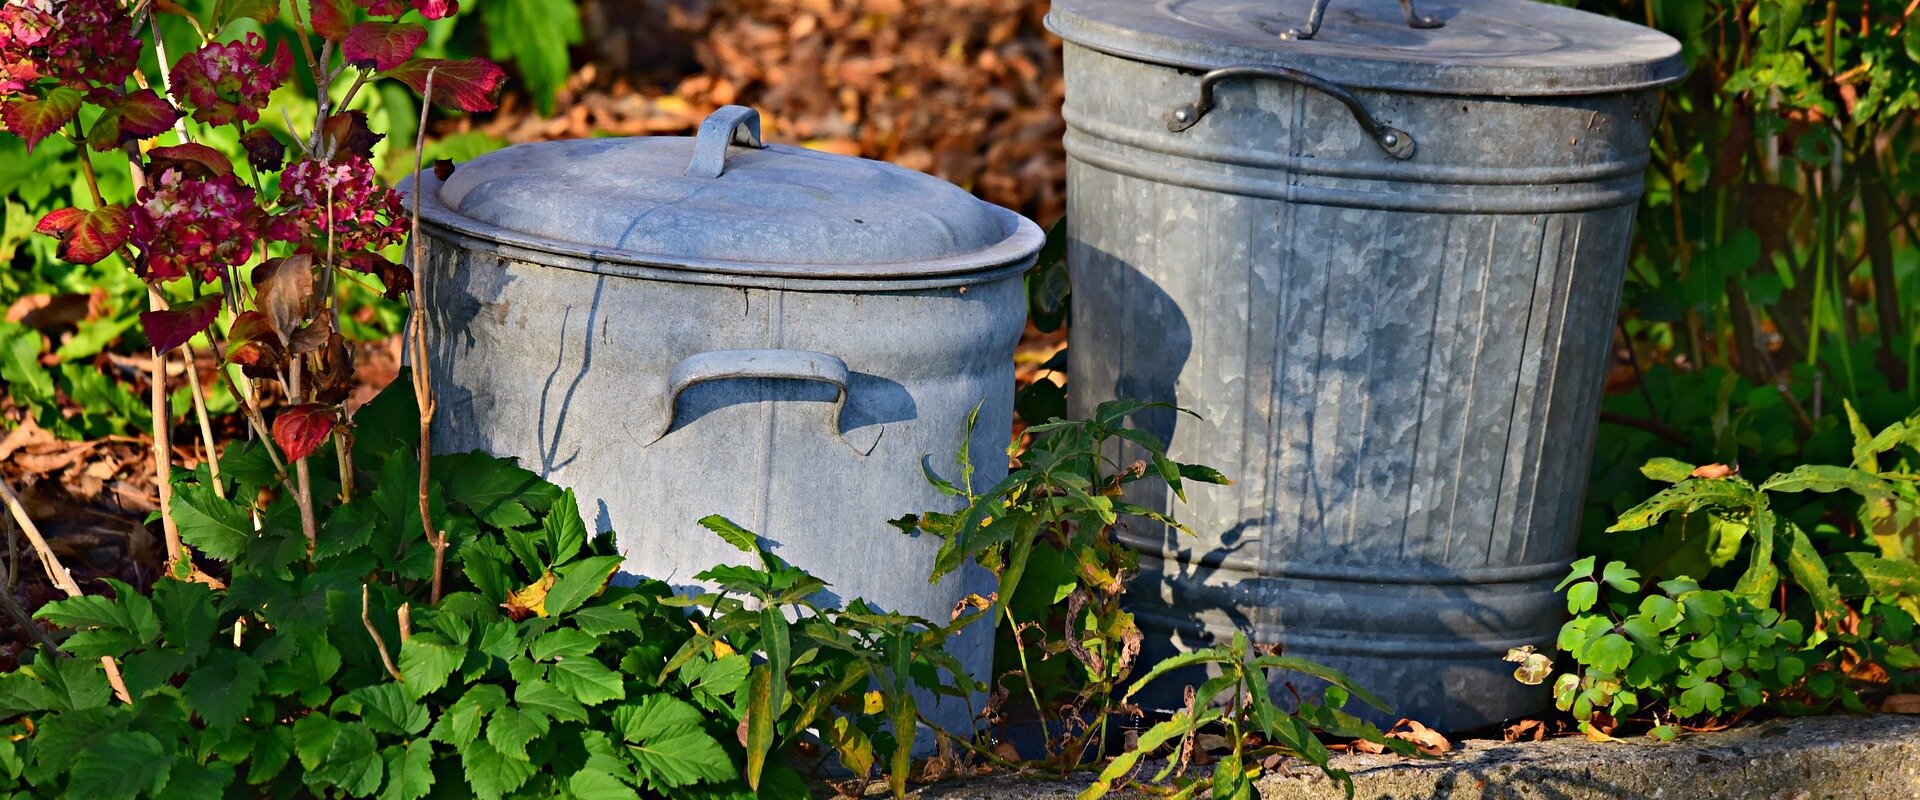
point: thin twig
(61, 578)
(422, 388)
(162, 445)
(385, 659)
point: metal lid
(722, 202)
(1480, 47)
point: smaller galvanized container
(676, 327)
(1380, 257)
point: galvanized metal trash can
(1381, 260)
(675, 327)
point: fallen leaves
(1429, 741)
(1534, 667)
(1901, 704)
(1713, 471)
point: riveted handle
(1396, 142)
(728, 125)
(719, 365)
(1319, 9)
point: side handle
(719, 365)
(1395, 142)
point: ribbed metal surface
(1398, 362)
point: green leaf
(1230, 779)
(1580, 570)
(220, 528)
(535, 35)
(587, 681)
(588, 784)
(409, 771)
(222, 688)
(1867, 575)
(541, 696)
(665, 739)
(1667, 470)
(1156, 737)
(27, 382)
(1687, 496)
(566, 534)
(496, 490)
(1804, 563)
(761, 716)
(1581, 596)
(1622, 579)
(387, 708)
(510, 729)
(732, 533)
(425, 662)
(1829, 478)
(902, 712)
(492, 774)
(1610, 653)
(460, 723)
(119, 766)
(562, 643)
(188, 780)
(578, 582)
(350, 762)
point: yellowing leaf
(722, 649)
(873, 703)
(530, 601)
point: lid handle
(728, 125)
(1414, 19)
(1396, 142)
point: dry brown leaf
(1005, 751)
(1364, 746)
(1428, 740)
(1901, 704)
(1713, 471)
(1531, 730)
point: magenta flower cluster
(203, 224)
(227, 82)
(431, 9)
(76, 42)
(341, 198)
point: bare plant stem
(386, 660)
(417, 327)
(162, 446)
(60, 577)
(303, 490)
(206, 425)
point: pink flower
(341, 197)
(77, 42)
(225, 82)
(199, 223)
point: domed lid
(1465, 47)
(722, 202)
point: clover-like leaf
(467, 85)
(382, 45)
(87, 236)
(173, 327)
(34, 120)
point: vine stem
(422, 386)
(60, 577)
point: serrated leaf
(566, 535)
(588, 784)
(425, 663)
(1829, 478)
(175, 326)
(86, 237)
(34, 120)
(300, 430)
(491, 773)
(217, 527)
(387, 708)
(541, 696)
(382, 45)
(1686, 497)
(460, 723)
(578, 582)
(468, 85)
(510, 729)
(222, 687)
(119, 766)
(587, 681)
(562, 643)
(496, 490)
(409, 771)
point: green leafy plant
(1237, 700)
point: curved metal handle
(1319, 9)
(727, 125)
(1396, 142)
(719, 365)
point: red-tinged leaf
(171, 328)
(350, 135)
(332, 19)
(396, 277)
(138, 115)
(87, 236)
(283, 289)
(34, 120)
(437, 9)
(195, 161)
(264, 150)
(468, 85)
(299, 430)
(253, 345)
(382, 45)
(145, 113)
(262, 11)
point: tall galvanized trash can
(1379, 254)
(675, 327)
